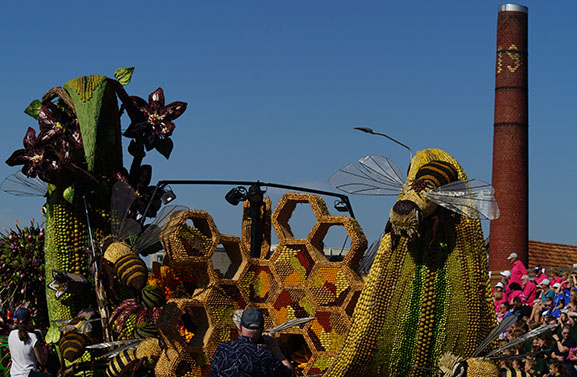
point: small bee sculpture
(121, 258)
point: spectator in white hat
(517, 269)
(546, 293)
(499, 295)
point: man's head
(538, 270)
(524, 280)
(506, 274)
(545, 284)
(513, 257)
(251, 322)
(517, 302)
(499, 287)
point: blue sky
(274, 89)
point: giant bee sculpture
(427, 292)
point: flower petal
(174, 110)
(30, 138)
(17, 158)
(156, 98)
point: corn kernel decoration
(296, 280)
(420, 301)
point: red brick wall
(510, 155)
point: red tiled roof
(551, 255)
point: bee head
(412, 207)
(405, 218)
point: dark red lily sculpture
(154, 122)
(45, 155)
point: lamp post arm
(163, 183)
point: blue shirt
(243, 357)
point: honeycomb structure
(295, 280)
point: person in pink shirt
(516, 291)
(529, 290)
(539, 275)
(517, 269)
(499, 296)
(556, 278)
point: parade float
(426, 296)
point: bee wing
(373, 175)
(123, 196)
(149, 236)
(112, 344)
(20, 185)
(524, 337)
(115, 352)
(290, 323)
(472, 198)
(504, 325)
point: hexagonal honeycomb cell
(292, 303)
(189, 234)
(258, 283)
(192, 274)
(330, 283)
(222, 301)
(294, 262)
(327, 332)
(230, 263)
(358, 240)
(285, 208)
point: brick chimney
(510, 233)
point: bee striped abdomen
(72, 345)
(438, 172)
(120, 361)
(132, 271)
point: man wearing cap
(539, 275)
(517, 269)
(245, 356)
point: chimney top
(513, 8)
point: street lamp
(370, 131)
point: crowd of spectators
(545, 297)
